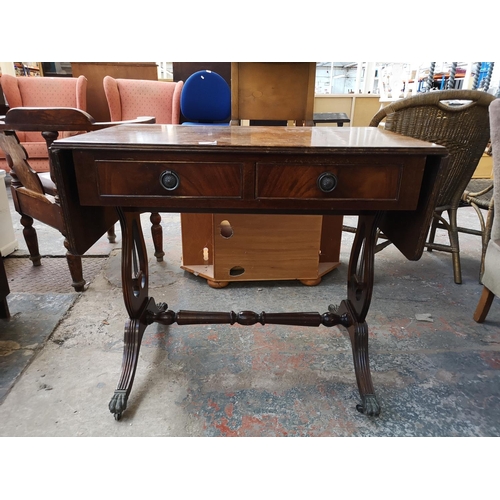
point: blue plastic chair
(206, 99)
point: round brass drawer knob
(327, 182)
(169, 180)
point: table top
(233, 139)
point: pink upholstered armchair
(23, 91)
(128, 99)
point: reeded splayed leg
(135, 294)
(359, 293)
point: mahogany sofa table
(389, 181)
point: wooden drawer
(354, 181)
(250, 183)
(195, 180)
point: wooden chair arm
(138, 120)
(51, 119)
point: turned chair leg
(112, 234)
(75, 269)
(31, 239)
(483, 305)
(157, 235)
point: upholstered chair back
(127, 99)
(24, 91)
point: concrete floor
(60, 353)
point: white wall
(7, 68)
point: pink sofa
(23, 91)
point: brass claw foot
(370, 406)
(118, 403)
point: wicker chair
(458, 120)
(478, 195)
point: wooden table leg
(143, 310)
(359, 292)
(135, 295)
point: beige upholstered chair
(24, 91)
(491, 275)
